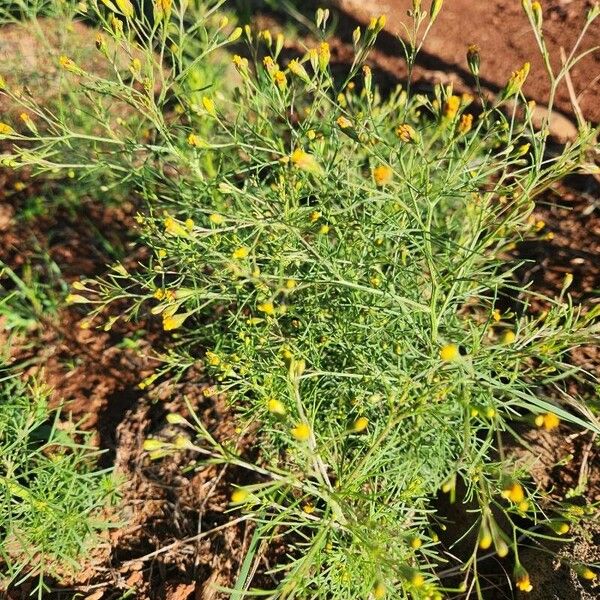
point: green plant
(339, 262)
(50, 494)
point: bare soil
(503, 34)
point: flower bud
(436, 6)
(473, 59)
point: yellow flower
(6, 129)
(343, 122)
(516, 81)
(309, 508)
(449, 353)
(212, 359)
(173, 227)
(561, 528)
(241, 64)
(171, 322)
(266, 35)
(270, 66)
(314, 216)
(417, 580)
(502, 549)
(195, 140)
(451, 107)
(406, 133)
(382, 175)
(548, 421)
(523, 582)
(216, 219)
(324, 55)
(239, 496)
(209, 106)
(305, 161)
(276, 406)
(485, 538)
(379, 591)
(324, 229)
(117, 25)
(267, 308)
(67, 64)
(465, 124)
(280, 79)
(240, 253)
(415, 543)
(496, 316)
(189, 224)
(586, 573)
(536, 9)
(514, 493)
(508, 337)
(360, 424)
(163, 7)
(301, 432)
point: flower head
(301, 432)
(209, 106)
(305, 161)
(324, 55)
(360, 424)
(382, 175)
(379, 591)
(451, 107)
(473, 59)
(508, 337)
(586, 573)
(216, 219)
(406, 133)
(173, 227)
(465, 124)
(522, 579)
(514, 492)
(171, 322)
(548, 421)
(276, 407)
(267, 308)
(240, 253)
(343, 122)
(449, 353)
(239, 496)
(66, 63)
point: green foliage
(50, 494)
(338, 261)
